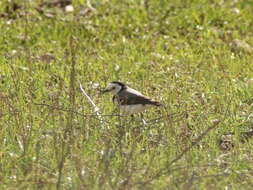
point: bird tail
(155, 103)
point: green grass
(193, 56)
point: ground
(193, 56)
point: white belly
(131, 109)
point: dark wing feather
(133, 99)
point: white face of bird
(114, 88)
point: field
(196, 57)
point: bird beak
(104, 91)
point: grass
(193, 56)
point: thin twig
(151, 121)
(76, 112)
(67, 139)
(178, 157)
(167, 169)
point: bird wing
(132, 98)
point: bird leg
(144, 122)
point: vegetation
(193, 56)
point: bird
(130, 101)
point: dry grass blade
(95, 108)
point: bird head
(114, 87)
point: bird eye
(113, 88)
